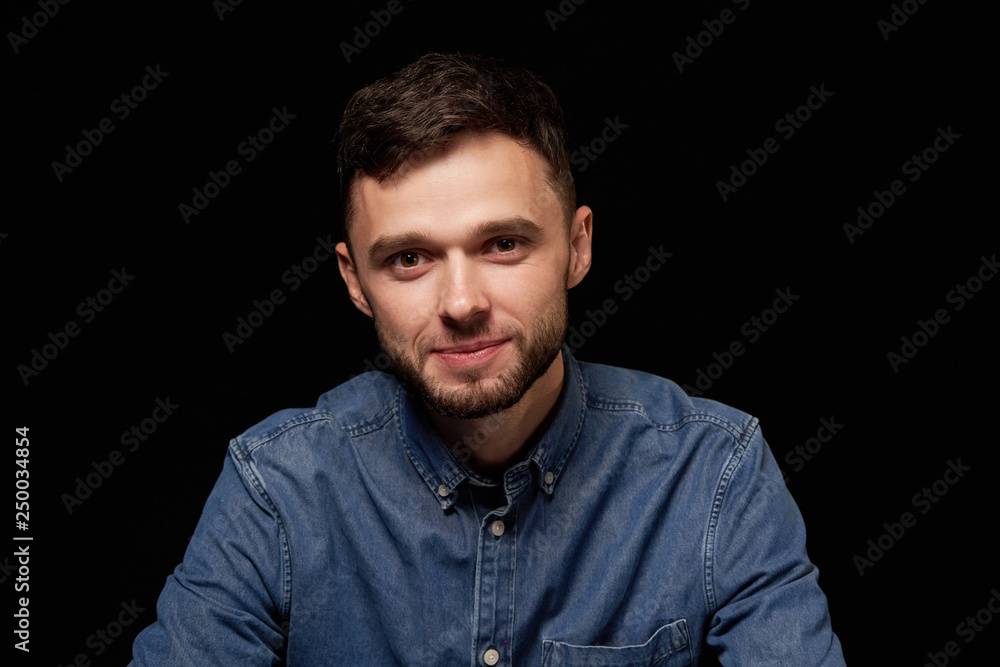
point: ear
(350, 275)
(580, 237)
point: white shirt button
(549, 477)
(497, 529)
(443, 491)
(491, 657)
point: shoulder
(363, 403)
(702, 446)
(662, 402)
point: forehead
(478, 177)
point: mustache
(474, 333)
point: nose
(462, 295)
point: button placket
(494, 586)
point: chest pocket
(670, 646)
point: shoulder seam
(253, 443)
(735, 430)
(732, 463)
(249, 473)
(371, 425)
(353, 430)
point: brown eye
(506, 245)
(408, 260)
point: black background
(654, 185)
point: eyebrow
(513, 226)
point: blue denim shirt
(644, 527)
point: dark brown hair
(424, 105)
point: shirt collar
(442, 467)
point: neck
(495, 441)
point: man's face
(464, 262)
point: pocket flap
(670, 641)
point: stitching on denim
(734, 430)
(675, 634)
(632, 406)
(579, 424)
(353, 430)
(618, 405)
(513, 576)
(476, 590)
(721, 491)
(247, 472)
(370, 425)
(254, 443)
(425, 474)
(406, 446)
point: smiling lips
(470, 353)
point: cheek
(546, 278)
(403, 313)
(532, 293)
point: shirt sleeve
(766, 603)
(224, 604)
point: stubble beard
(479, 396)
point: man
(493, 501)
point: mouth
(470, 353)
